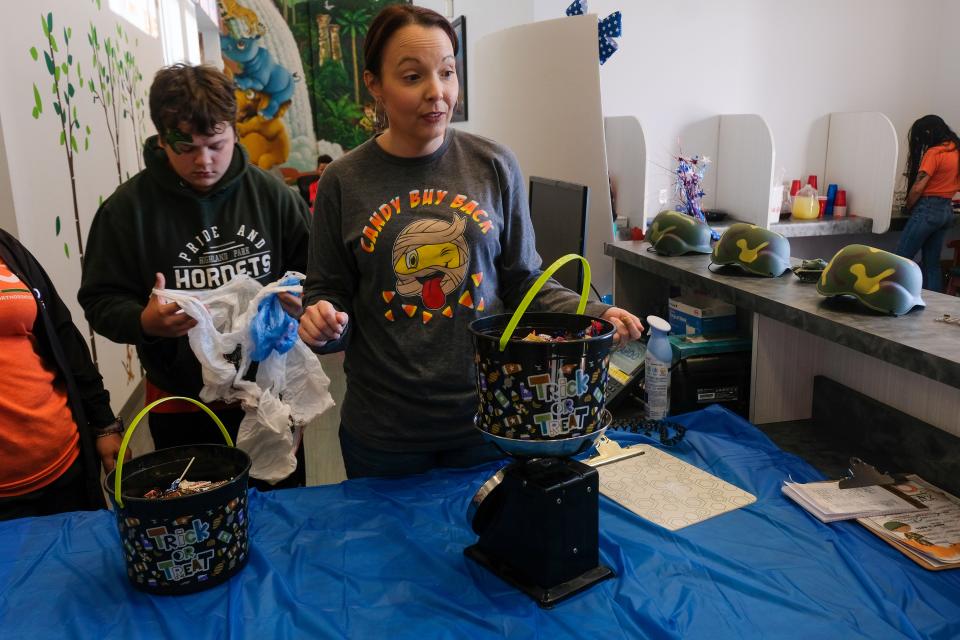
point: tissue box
(694, 315)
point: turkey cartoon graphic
(430, 259)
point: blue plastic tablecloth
(384, 558)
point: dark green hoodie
(249, 222)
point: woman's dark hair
(201, 96)
(927, 132)
(392, 18)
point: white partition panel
(700, 138)
(744, 168)
(862, 155)
(536, 89)
(627, 164)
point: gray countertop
(914, 341)
(790, 228)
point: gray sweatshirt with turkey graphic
(414, 250)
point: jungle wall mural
(298, 66)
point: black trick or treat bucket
(188, 543)
(542, 391)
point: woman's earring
(379, 116)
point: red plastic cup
(822, 200)
(794, 188)
(812, 181)
(841, 200)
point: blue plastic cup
(831, 199)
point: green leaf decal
(58, 225)
(66, 250)
(34, 53)
(49, 61)
(73, 144)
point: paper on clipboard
(668, 491)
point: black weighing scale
(538, 518)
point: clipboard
(662, 488)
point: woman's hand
(321, 322)
(628, 325)
(108, 448)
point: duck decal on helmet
(754, 249)
(674, 234)
(881, 280)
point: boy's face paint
(200, 161)
(177, 140)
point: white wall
(946, 67)
(8, 217)
(35, 181)
(791, 61)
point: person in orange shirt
(933, 177)
(56, 424)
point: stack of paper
(931, 537)
(829, 503)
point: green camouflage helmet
(754, 249)
(674, 234)
(881, 280)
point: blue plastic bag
(273, 329)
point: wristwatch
(114, 427)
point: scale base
(545, 597)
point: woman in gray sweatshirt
(418, 232)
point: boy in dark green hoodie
(194, 218)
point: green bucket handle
(133, 425)
(528, 298)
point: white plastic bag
(290, 389)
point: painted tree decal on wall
(104, 91)
(131, 83)
(117, 88)
(63, 72)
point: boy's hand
(291, 303)
(164, 320)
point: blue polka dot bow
(609, 28)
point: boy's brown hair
(201, 97)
